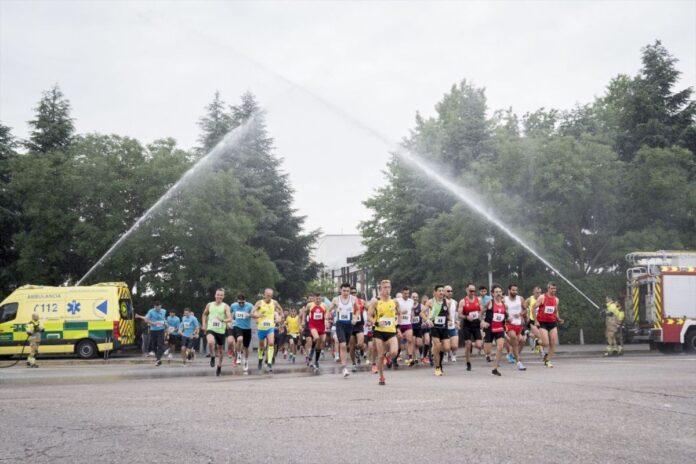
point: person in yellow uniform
(34, 329)
(614, 318)
(292, 323)
(216, 316)
(531, 318)
(266, 312)
(384, 317)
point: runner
(317, 327)
(188, 329)
(533, 330)
(172, 334)
(494, 325)
(484, 298)
(215, 318)
(417, 324)
(452, 323)
(548, 320)
(307, 341)
(515, 324)
(279, 335)
(241, 330)
(384, 317)
(425, 328)
(292, 323)
(438, 321)
(266, 312)
(156, 319)
(357, 338)
(405, 329)
(344, 306)
(469, 311)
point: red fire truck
(661, 292)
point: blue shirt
(241, 315)
(189, 325)
(156, 318)
(485, 299)
(173, 322)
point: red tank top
(357, 312)
(316, 317)
(498, 322)
(471, 306)
(548, 310)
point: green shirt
(216, 317)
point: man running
(241, 330)
(548, 320)
(156, 319)
(266, 312)
(405, 329)
(172, 334)
(216, 316)
(357, 339)
(188, 329)
(344, 306)
(384, 317)
(530, 304)
(318, 317)
(425, 328)
(417, 324)
(515, 324)
(439, 321)
(452, 323)
(470, 311)
(484, 298)
(307, 341)
(292, 324)
(494, 325)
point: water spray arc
(230, 139)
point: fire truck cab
(661, 292)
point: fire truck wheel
(690, 340)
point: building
(339, 255)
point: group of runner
(424, 330)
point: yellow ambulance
(80, 320)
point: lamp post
(491, 241)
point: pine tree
(214, 125)
(52, 128)
(9, 212)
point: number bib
(171, 330)
(159, 324)
(318, 316)
(386, 321)
(266, 324)
(216, 324)
(343, 317)
(240, 315)
(474, 314)
(186, 325)
(498, 317)
(416, 319)
(549, 309)
(440, 320)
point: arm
(255, 312)
(487, 316)
(371, 314)
(228, 315)
(204, 317)
(558, 315)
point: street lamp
(491, 241)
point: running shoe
(293, 359)
(260, 364)
(246, 367)
(510, 358)
(337, 358)
(151, 353)
(495, 372)
(166, 352)
(381, 381)
(345, 373)
(453, 358)
(374, 369)
(212, 361)
(218, 371)
(468, 366)
(158, 362)
(548, 363)
(169, 356)
(520, 366)
(438, 372)
(354, 368)
(230, 354)
(488, 358)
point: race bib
(159, 323)
(266, 324)
(386, 321)
(344, 317)
(358, 317)
(186, 325)
(498, 317)
(416, 319)
(549, 309)
(474, 314)
(440, 320)
(516, 321)
(240, 315)
(216, 324)
(318, 316)
(171, 330)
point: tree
(9, 213)
(214, 125)
(52, 128)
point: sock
(270, 354)
(317, 353)
(261, 352)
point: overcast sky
(147, 69)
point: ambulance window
(8, 312)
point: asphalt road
(639, 408)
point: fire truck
(661, 295)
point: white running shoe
(151, 353)
(520, 366)
(166, 352)
(169, 356)
(345, 373)
(454, 359)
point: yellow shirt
(386, 313)
(266, 320)
(530, 308)
(293, 324)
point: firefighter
(614, 317)
(34, 329)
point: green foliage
(52, 128)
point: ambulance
(84, 321)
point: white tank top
(405, 309)
(514, 309)
(345, 310)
